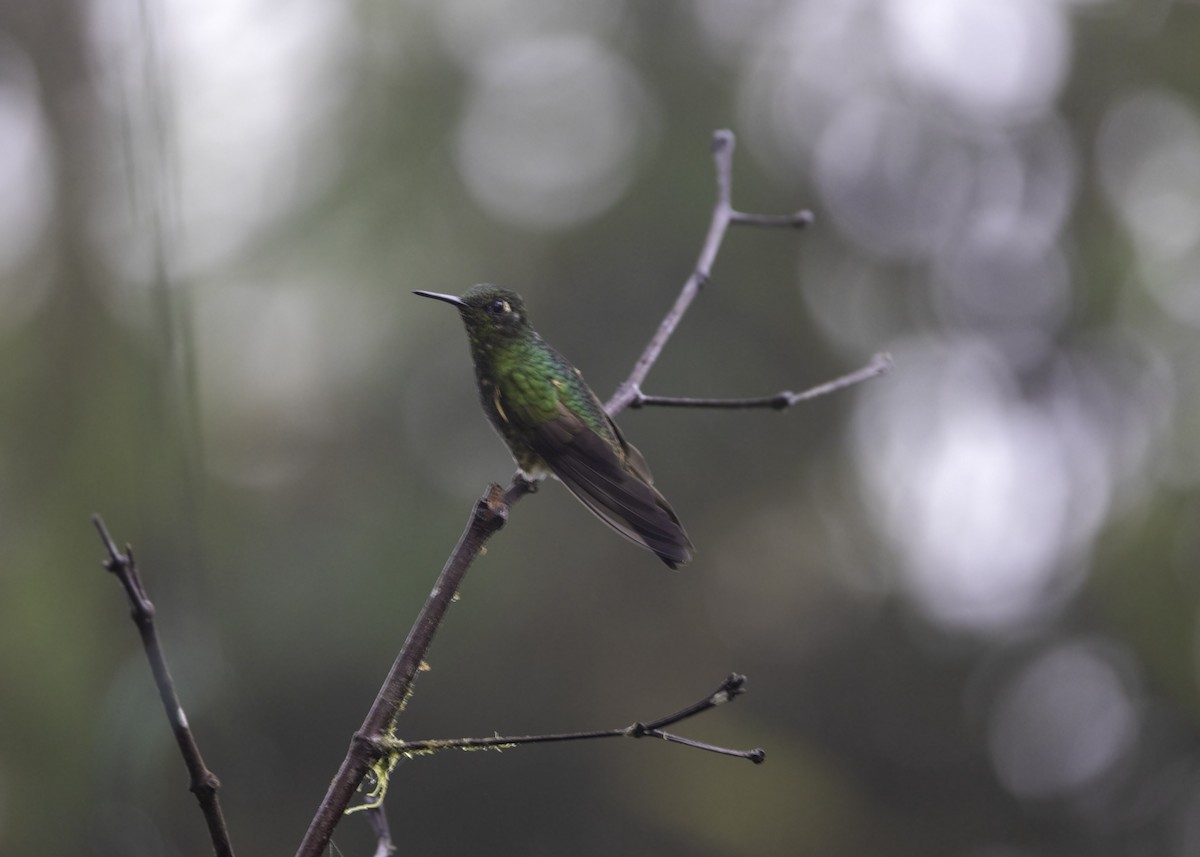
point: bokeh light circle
(551, 132)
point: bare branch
(723, 215)
(880, 364)
(732, 687)
(799, 220)
(488, 516)
(204, 783)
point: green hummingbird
(554, 424)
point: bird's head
(492, 314)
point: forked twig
(724, 214)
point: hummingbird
(555, 425)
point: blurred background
(965, 595)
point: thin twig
(733, 686)
(880, 365)
(204, 783)
(723, 215)
(799, 220)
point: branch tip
(723, 141)
(116, 559)
(735, 685)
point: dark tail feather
(617, 494)
(634, 509)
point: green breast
(523, 386)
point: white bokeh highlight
(234, 134)
(26, 184)
(1062, 722)
(471, 30)
(997, 61)
(551, 132)
(988, 500)
(1148, 154)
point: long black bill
(450, 299)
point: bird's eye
(498, 307)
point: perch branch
(491, 511)
(488, 516)
(204, 783)
(733, 686)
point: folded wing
(613, 483)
